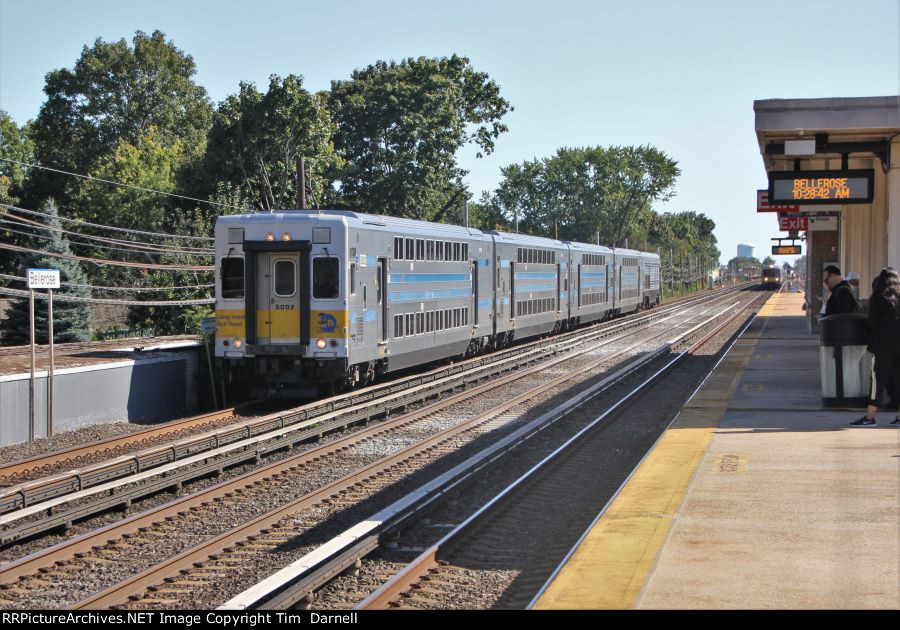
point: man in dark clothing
(842, 299)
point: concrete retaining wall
(162, 385)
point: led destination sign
(786, 250)
(821, 187)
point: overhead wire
(93, 287)
(114, 183)
(106, 227)
(73, 298)
(22, 221)
(104, 261)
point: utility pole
(301, 183)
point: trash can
(844, 362)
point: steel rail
(136, 585)
(30, 498)
(294, 583)
(394, 588)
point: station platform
(98, 383)
(755, 497)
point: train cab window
(420, 249)
(398, 248)
(326, 278)
(352, 278)
(233, 279)
(285, 281)
(429, 250)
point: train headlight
(321, 343)
(237, 343)
(285, 236)
(270, 237)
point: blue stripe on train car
(535, 275)
(371, 316)
(397, 278)
(403, 296)
(485, 303)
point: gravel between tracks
(513, 554)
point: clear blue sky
(681, 76)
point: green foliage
(257, 139)
(71, 321)
(150, 163)
(400, 127)
(115, 94)
(586, 191)
(15, 144)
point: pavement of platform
(756, 497)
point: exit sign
(793, 223)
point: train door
(474, 273)
(278, 298)
(380, 288)
(512, 290)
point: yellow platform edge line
(610, 567)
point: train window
(429, 321)
(440, 320)
(439, 250)
(352, 278)
(398, 326)
(233, 279)
(398, 248)
(518, 254)
(465, 251)
(448, 320)
(456, 251)
(326, 278)
(465, 316)
(420, 249)
(410, 324)
(420, 323)
(409, 251)
(285, 281)
(429, 250)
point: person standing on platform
(841, 299)
(884, 343)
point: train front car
(771, 277)
(281, 303)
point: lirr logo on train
(327, 322)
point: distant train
(771, 277)
(310, 301)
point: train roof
(353, 219)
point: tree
(71, 320)
(114, 94)
(583, 192)
(150, 163)
(257, 139)
(15, 144)
(400, 127)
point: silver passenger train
(307, 301)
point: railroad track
(164, 585)
(496, 538)
(42, 505)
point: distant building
(745, 250)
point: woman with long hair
(884, 342)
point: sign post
(41, 279)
